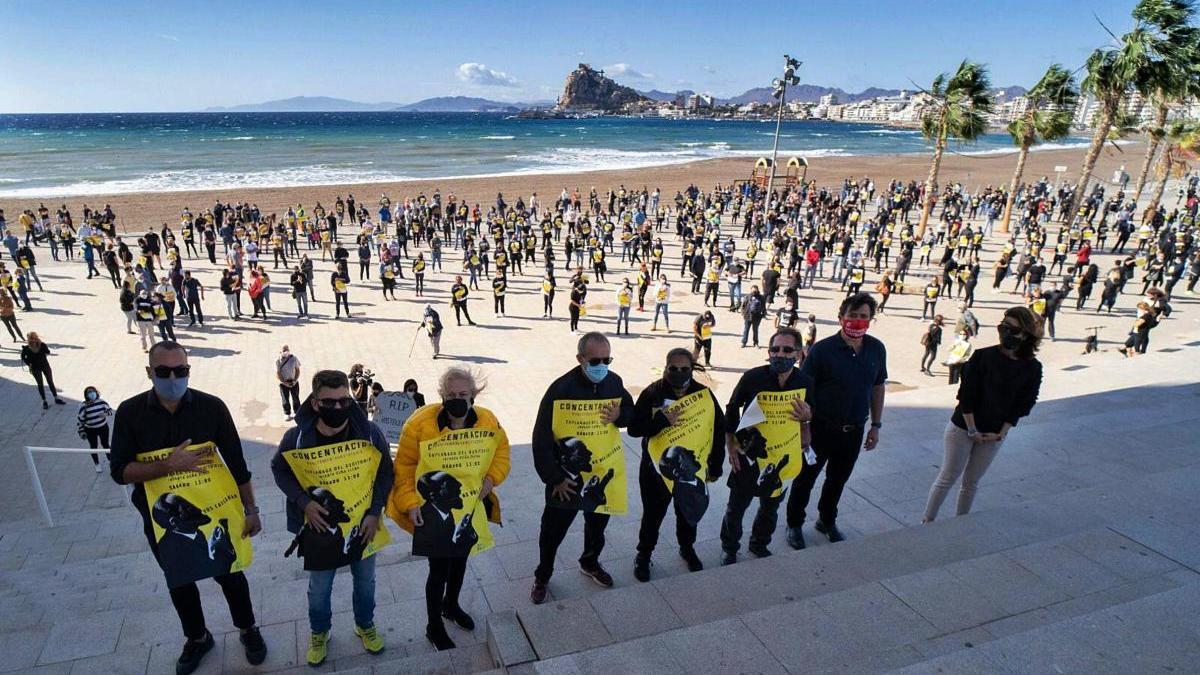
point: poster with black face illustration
(450, 473)
(590, 453)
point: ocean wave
(886, 131)
(497, 138)
(1037, 148)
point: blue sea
(76, 154)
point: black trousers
(460, 311)
(38, 375)
(186, 600)
(735, 511)
(290, 396)
(555, 523)
(655, 500)
(574, 309)
(443, 586)
(96, 438)
(837, 451)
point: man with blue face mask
(591, 380)
(170, 415)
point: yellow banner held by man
(772, 445)
(198, 519)
(449, 477)
(590, 453)
(680, 453)
(341, 478)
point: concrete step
(906, 619)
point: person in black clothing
(999, 386)
(930, 339)
(36, 354)
(458, 298)
(746, 446)
(591, 380)
(578, 299)
(193, 292)
(651, 416)
(848, 371)
(410, 388)
(170, 415)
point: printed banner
(590, 452)
(680, 453)
(449, 477)
(392, 410)
(340, 477)
(198, 519)
(770, 440)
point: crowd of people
(828, 394)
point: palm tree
(1050, 105)
(1182, 143)
(1160, 41)
(961, 103)
(1169, 48)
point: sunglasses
(334, 403)
(168, 371)
(782, 349)
(598, 360)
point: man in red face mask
(848, 371)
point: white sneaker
(288, 418)
(99, 469)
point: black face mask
(1011, 342)
(456, 407)
(333, 417)
(679, 379)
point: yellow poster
(198, 519)
(590, 453)
(771, 446)
(680, 453)
(449, 476)
(340, 477)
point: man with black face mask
(784, 350)
(171, 415)
(652, 416)
(330, 415)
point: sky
(169, 55)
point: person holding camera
(287, 371)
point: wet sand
(137, 211)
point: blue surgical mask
(170, 388)
(596, 373)
(92, 396)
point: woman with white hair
(423, 504)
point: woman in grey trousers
(999, 386)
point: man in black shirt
(171, 415)
(193, 293)
(784, 348)
(591, 380)
(848, 371)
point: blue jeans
(320, 588)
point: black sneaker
(437, 635)
(459, 617)
(728, 558)
(795, 537)
(193, 653)
(693, 561)
(831, 531)
(256, 647)
(597, 574)
(759, 550)
(641, 568)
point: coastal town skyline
(192, 59)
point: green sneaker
(371, 639)
(318, 648)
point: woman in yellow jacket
(422, 505)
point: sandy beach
(137, 211)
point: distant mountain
(587, 89)
(665, 96)
(461, 104)
(307, 104)
(1011, 92)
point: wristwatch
(876, 425)
(251, 510)
(972, 432)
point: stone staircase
(1082, 556)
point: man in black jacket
(171, 415)
(747, 480)
(651, 417)
(330, 416)
(591, 380)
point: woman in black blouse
(999, 386)
(36, 356)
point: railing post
(37, 487)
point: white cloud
(627, 71)
(172, 38)
(710, 70)
(479, 74)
